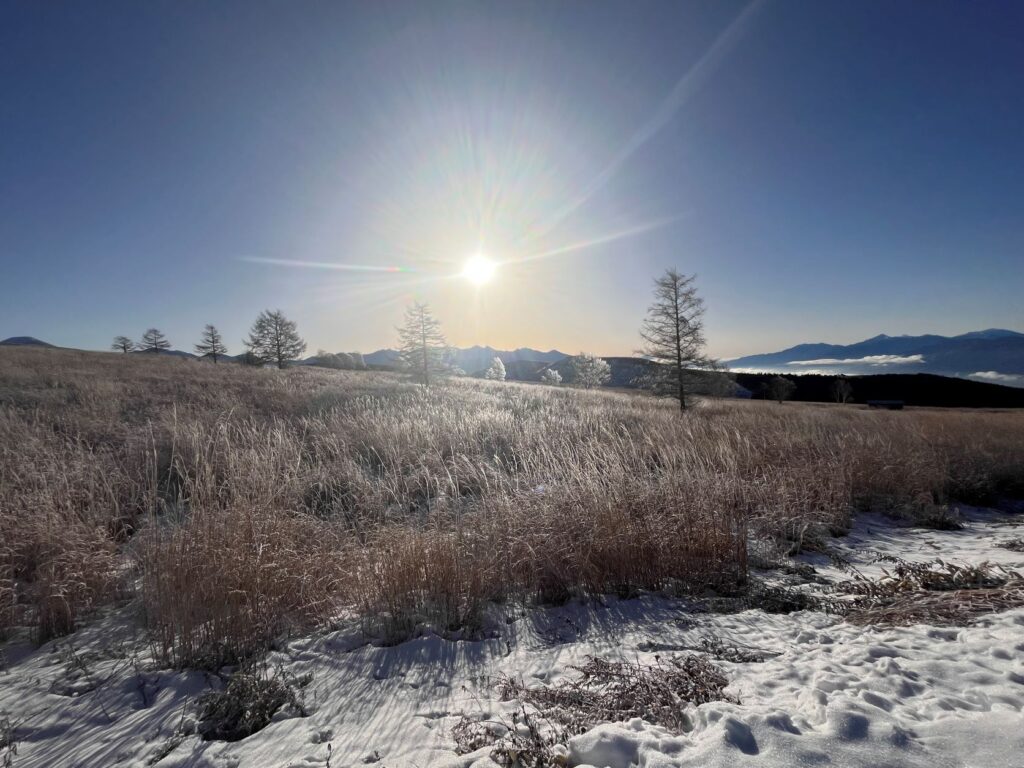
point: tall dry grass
(243, 504)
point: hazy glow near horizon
(479, 269)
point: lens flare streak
(332, 265)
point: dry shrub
(60, 520)
(604, 691)
(525, 742)
(936, 575)
(443, 572)
(952, 608)
(223, 584)
(936, 592)
(248, 703)
(616, 691)
(408, 578)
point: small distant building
(889, 405)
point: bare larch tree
(673, 335)
(842, 390)
(122, 344)
(212, 344)
(154, 341)
(421, 343)
(275, 339)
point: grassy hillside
(239, 504)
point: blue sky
(829, 170)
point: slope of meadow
(400, 565)
(242, 504)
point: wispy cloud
(778, 369)
(325, 265)
(869, 360)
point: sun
(479, 269)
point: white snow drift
(829, 693)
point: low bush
(248, 703)
(604, 691)
(615, 691)
(935, 592)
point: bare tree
(154, 341)
(781, 388)
(551, 377)
(673, 335)
(842, 390)
(212, 344)
(358, 362)
(275, 339)
(496, 371)
(589, 371)
(421, 343)
(122, 344)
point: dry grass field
(241, 504)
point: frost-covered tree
(780, 388)
(551, 377)
(212, 344)
(496, 371)
(154, 341)
(358, 362)
(589, 371)
(275, 339)
(341, 361)
(673, 334)
(326, 359)
(421, 344)
(122, 344)
(345, 359)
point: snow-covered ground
(828, 693)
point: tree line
(672, 333)
(273, 339)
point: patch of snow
(829, 693)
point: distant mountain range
(471, 359)
(995, 355)
(474, 359)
